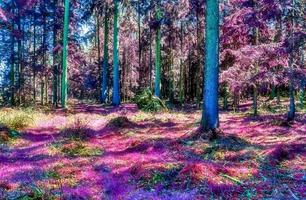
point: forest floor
(94, 152)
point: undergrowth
(147, 102)
(75, 149)
(16, 119)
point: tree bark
(158, 52)
(65, 44)
(116, 80)
(210, 116)
(104, 86)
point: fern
(146, 101)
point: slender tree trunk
(303, 82)
(139, 43)
(19, 58)
(46, 89)
(42, 90)
(255, 88)
(158, 52)
(291, 113)
(55, 63)
(181, 82)
(116, 80)
(210, 116)
(12, 71)
(199, 63)
(150, 59)
(99, 52)
(104, 86)
(65, 44)
(44, 43)
(34, 61)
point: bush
(146, 101)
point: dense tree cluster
(117, 47)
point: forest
(152, 99)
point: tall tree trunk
(291, 113)
(34, 60)
(210, 115)
(12, 71)
(181, 82)
(44, 43)
(255, 87)
(19, 57)
(150, 52)
(150, 59)
(99, 51)
(199, 63)
(65, 44)
(139, 44)
(303, 82)
(104, 86)
(55, 63)
(158, 51)
(116, 80)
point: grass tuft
(75, 149)
(78, 130)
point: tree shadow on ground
(98, 109)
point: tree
(291, 112)
(116, 80)
(105, 58)
(55, 63)
(210, 116)
(158, 51)
(65, 44)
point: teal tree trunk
(65, 49)
(158, 52)
(116, 83)
(210, 115)
(104, 80)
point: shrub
(146, 101)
